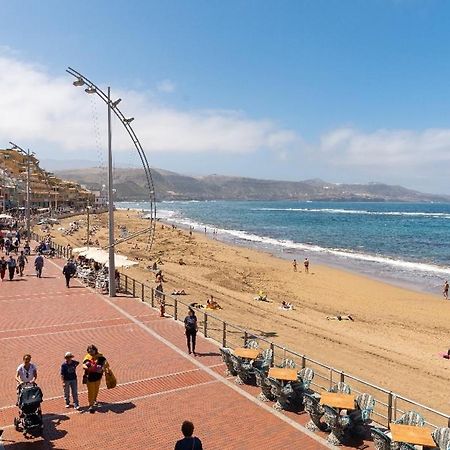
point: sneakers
(77, 407)
(68, 405)
(91, 409)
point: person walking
(69, 271)
(94, 364)
(306, 264)
(21, 261)
(69, 379)
(445, 290)
(189, 442)
(12, 267)
(191, 328)
(294, 265)
(39, 264)
(3, 266)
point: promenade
(159, 384)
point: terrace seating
(262, 380)
(264, 362)
(304, 378)
(360, 417)
(252, 343)
(341, 387)
(284, 394)
(383, 442)
(337, 424)
(245, 371)
(230, 361)
(442, 437)
(288, 364)
(315, 411)
(411, 418)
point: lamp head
(90, 90)
(128, 120)
(78, 82)
(114, 104)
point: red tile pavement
(159, 384)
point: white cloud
(166, 86)
(386, 148)
(39, 108)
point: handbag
(110, 378)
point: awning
(102, 256)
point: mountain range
(130, 184)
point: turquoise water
(404, 243)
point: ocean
(406, 244)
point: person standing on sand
(306, 264)
(445, 290)
(294, 265)
(191, 328)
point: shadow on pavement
(117, 408)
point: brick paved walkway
(159, 384)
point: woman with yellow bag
(94, 365)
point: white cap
(68, 355)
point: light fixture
(128, 120)
(78, 82)
(90, 90)
(114, 104)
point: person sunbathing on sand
(262, 296)
(212, 304)
(344, 317)
(286, 306)
(177, 292)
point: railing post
(175, 310)
(153, 297)
(134, 288)
(394, 407)
(245, 338)
(303, 361)
(224, 335)
(142, 292)
(126, 284)
(389, 411)
(205, 324)
(342, 377)
(272, 347)
(331, 377)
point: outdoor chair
(287, 364)
(382, 441)
(315, 411)
(245, 372)
(252, 343)
(336, 423)
(360, 417)
(411, 418)
(262, 380)
(230, 361)
(301, 386)
(442, 438)
(341, 387)
(264, 362)
(284, 394)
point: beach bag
(110, 379)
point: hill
(131, 185)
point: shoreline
(393, 341)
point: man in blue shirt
(69, 379)
(189, 442)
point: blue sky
(350, 91)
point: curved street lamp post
(91, 88)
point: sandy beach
(393, 341)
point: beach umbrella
(102, 256)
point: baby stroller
(29, 402)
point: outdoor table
(338, 400)
(411, 434)
(249, 353)
(283, 374)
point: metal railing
(389, 405)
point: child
(69, 379)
